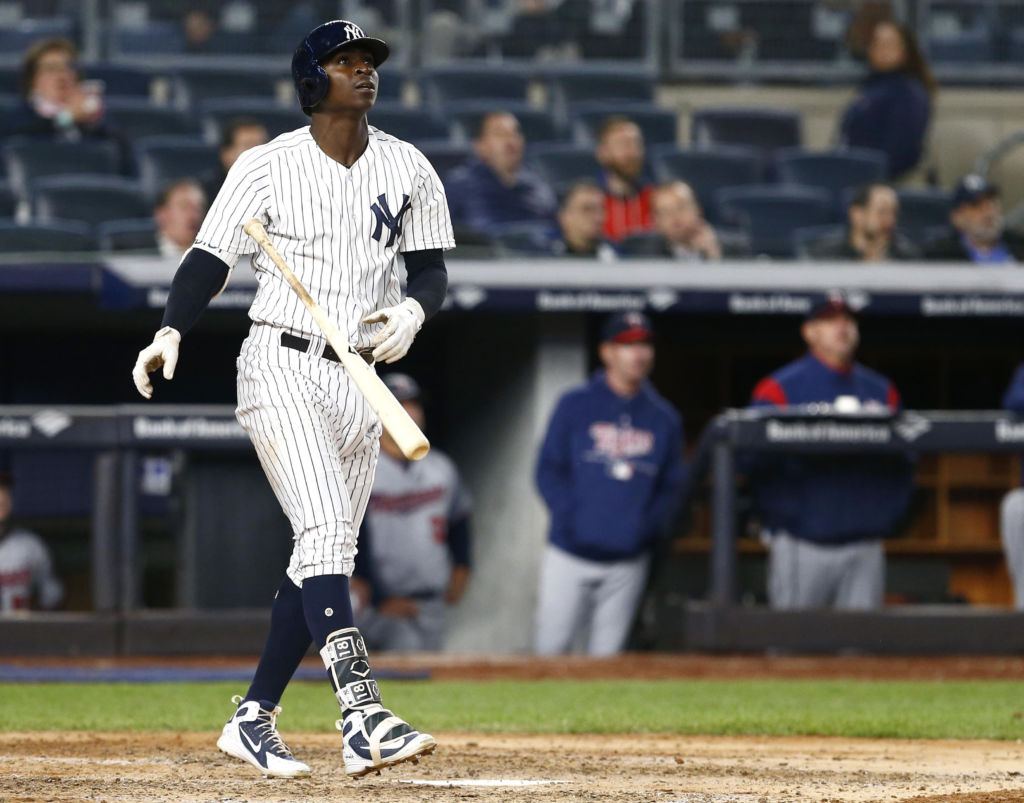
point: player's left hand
(402, 322)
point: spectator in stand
(1011, 514)
(55, 102)
(680, 230)
(239, 134)
(979, 234)
(627, 188)
(199, 28)
(493, 189)
(27, 579)
(178, 214)
(825, 517)
(891, 113)
(580, 224)
(610, 471)
(871, 235)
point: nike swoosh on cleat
(254, 745)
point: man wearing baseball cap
(979, 234)
(824, 517)
(413, 559)
(610, 471)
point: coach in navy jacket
(610, 471)
(825, 516)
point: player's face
(244, 138)
(353, 80)
(982, 221)
(415, 411)
(835, 337)
(180, 218)
(622, 151)
(630, 363)
(500, 144)
(886, 52)
(677, 215)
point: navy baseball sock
(286, 645)
(327, 605)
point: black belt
(290, 341)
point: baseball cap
(829, 306)
(402, 386)
(972, 188)
(627, 327)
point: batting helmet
(311, 81)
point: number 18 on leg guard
(373, 737)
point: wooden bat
(393, 416)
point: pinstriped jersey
(340, 229)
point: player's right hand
(162, 351)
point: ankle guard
(345, 657)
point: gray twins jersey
(410, 507)
(26, 571)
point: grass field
(852, 708)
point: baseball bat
(393, 416)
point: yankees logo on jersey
(329, 221)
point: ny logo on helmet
(384, 218)
(353, 31)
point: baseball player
(26, 570)
(340, 200)
(414, 545)
(610, 471)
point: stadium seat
(10, 79)
(133, 234)
(537, 125)
(28, 159)
(835, 171)
(969, 46)
(563, 165)
(772, 213)
(92, 199)
(134, 118)
(17, 38)
(8, 203)
(581, 84)
(158, 36)
(659, 126)
(276, 119)
(806, 237)
(444, 156)
(120, 81)
(59, 235)
(412, 125)
(195, 85)
(923, 211)
(526, 238)
(390, 84)
(485, 81)
(163, 159)
(764, 129)
(707, 170)
(470, 244)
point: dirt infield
(187, 767)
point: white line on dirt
(483, 782)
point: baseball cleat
(251, 735)
(374, 738)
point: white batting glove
(402, 321)
(162, 351)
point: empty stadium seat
(563, 165)
(835, 171)
(195, 85)
(485, 81)
(19, 37)
(445, 156)
(29, 159)
(578, 84)
(8, 203)
(707, 170)
(659, 126)
(923, 211)
(807, 237)
(537, 125)
(10, 79)
(400, 121)
(157, 36)
(390, 84)
(276, 119)
(164, 159)
(526, 238)
(60, 235)
(133, 234)
(92, 199)
(134, 118)
(976, 45)
(765, 129)
(773, 212)
(119, 80)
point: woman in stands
(56, 102)
(892, 111)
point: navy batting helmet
(311, 81)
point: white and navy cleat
(251, 735)
(374, 738)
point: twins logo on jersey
(384, 218)
(619, 446)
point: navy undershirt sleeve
(428, 279)
(199, 277)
